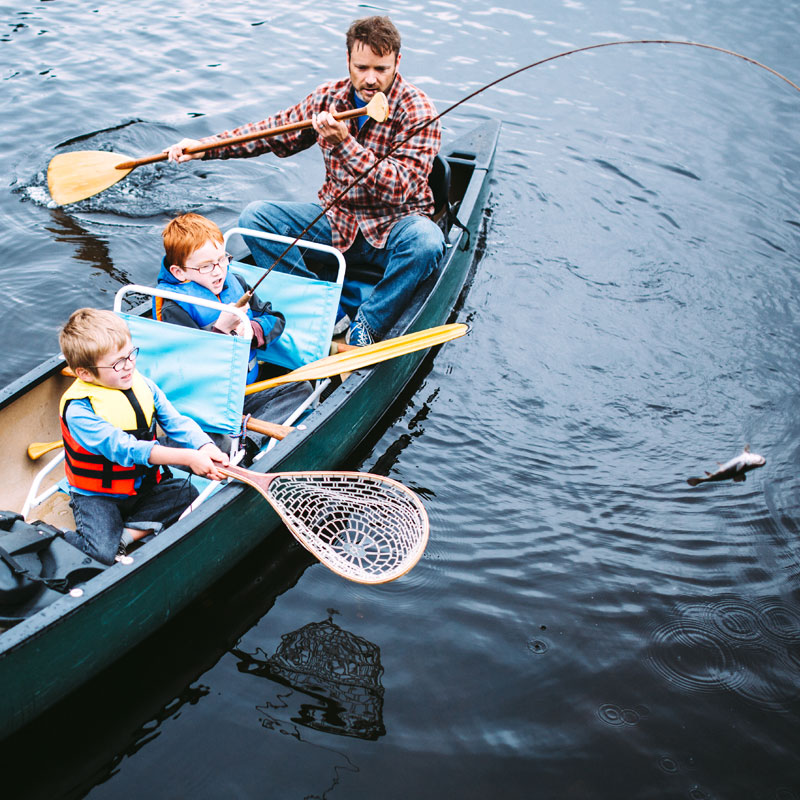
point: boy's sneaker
(359, 334)
(251, 449)
(122, 553)
(342, 324)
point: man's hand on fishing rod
(176, 151)
(333, 131)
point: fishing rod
(333, 203)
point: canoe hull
(52, 653)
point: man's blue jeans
(413, 250)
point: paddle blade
(378, 107)
(37, 449)
(360, 357)
(80, 174)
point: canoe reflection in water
(338, 673)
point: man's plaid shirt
(396, 188)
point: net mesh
(367, 528)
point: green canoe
(64, 643)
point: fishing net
(367, 528)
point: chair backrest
(309, 305)
(439, 181)
(203, 374)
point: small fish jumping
(735, 468)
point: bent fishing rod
(419, 128)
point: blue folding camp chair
(202, 373)
(309, 305)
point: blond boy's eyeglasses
(120, 363)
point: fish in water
(735, 468)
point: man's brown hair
(377, 33)
(89, 335)
(185, 234)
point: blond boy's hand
(210, 449)
(176, 151)
(206, 461)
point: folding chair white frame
(34, 498)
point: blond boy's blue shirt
(100, 436)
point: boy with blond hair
(119, 491)
(195, 264)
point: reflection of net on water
(371, 530)
(340, 670)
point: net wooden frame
(367, 528)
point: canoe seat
(439, 181)
(202, 373)
(187, 364)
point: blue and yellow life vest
(232, 290)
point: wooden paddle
(37, 449)
(349, 361)
(360, 357)
(80, 174)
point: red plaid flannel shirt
(397, 188)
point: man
(385, 220)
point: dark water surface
(583, 623)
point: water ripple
(693, 657)
(748, 648)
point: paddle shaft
(245, 137)
(270, 429)
(359, 357)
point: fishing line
(333, 203)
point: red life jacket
(133, 411)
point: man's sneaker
(359, 334)
(122, 553)
(342, 324)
